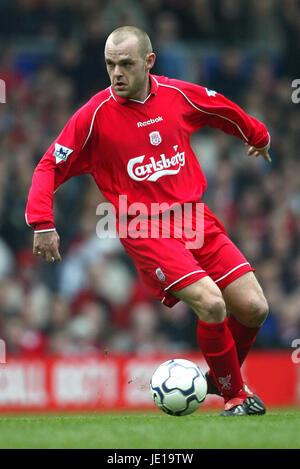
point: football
(178, 387)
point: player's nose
(118, 72)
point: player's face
(127, 69)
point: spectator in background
(265, 27)
(232, 21)
(172, 59)
(230, 78)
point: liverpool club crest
(155, 138)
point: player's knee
(257, 311)
(211, 309)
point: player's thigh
(205, 298)
(244, 298)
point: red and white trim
(181, 278)
(262, 148)
(44, 231)
(232, 270)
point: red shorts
(166, 265)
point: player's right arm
(69, 155)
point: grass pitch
(277, 429)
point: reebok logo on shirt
(150, 121)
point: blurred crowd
(51, 59)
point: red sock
(218, 348)
(243, 336)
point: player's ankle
(239, 395)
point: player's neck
(144, 93)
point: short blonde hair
(121, 34)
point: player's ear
(150, 60)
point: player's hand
(46, 245)
(264, 152)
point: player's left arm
(207, 107)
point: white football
(178, 387)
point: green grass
(277, 429)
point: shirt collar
(153, 91)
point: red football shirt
(138, 149)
